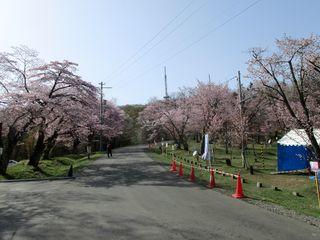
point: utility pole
(166, 96)
(101, 112)
(241, 106)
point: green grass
(56, 167)
(287, 183)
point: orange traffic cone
(181, 170)
(173, 166)
(239, 191)
(192, 177)
(212, 182)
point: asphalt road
(132, 197)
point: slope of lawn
(56, 167)
(264, 164)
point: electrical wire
(204, 36)
(161, 40)
(150, 40)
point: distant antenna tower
(166, 96)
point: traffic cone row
(212, 182)
(192, 178)
(239, 190)
(173, 166)
(181, 170)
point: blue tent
(294, 150)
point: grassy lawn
(287, 183)
(56, 167)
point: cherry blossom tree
(113, 120)
(290, 76)
(18, 105)
(61, 90)
(171, 116)
(50, 103)
(212, 109)
(82, 125)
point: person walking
(88, 151)
(109, 150)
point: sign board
(314, 166)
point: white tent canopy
(298, 137)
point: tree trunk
(227, 146)
(10, 145)
(245, 163)
(75, 145)
(254, 153)
(38, 150)
(1, 146)
(47, 151)
(314, 143)
(198, 136)
(178, 145)
(50, 143)
(202, 144)
(185, 146)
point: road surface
(133, 197)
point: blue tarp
(292, 157)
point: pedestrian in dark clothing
(109, 150)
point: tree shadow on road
(30, 210)
(48, 222)
(131, 171)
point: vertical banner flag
(206, 154)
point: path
(133, 197)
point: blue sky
(101, 35)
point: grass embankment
(56, 167)
(287, 183)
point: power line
(222, 12)
(226, 82)
(101, 113)
(162, 39)
(205, 25)
(200, 38)
(150, 40)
